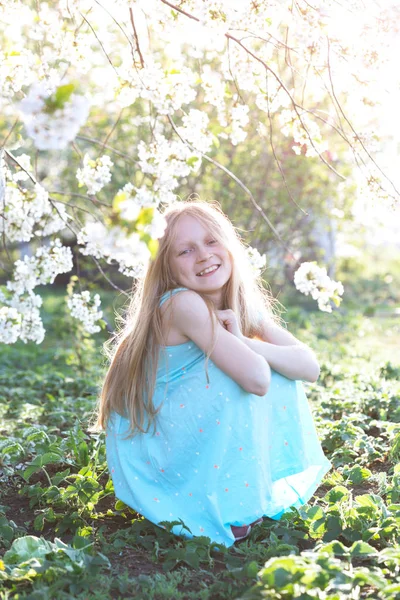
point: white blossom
(114, 244)
(25, 162)
(20, 319)
(42, 268)
(85, 309)
(52, 129)
(157, 227)
(194, 130)
(10, 325)
(2, 181)
(256, 260)
(239, 119)
(31, 324)
(305, 132)
(95, 173)
(29, 212)
(312, 279)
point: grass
(63, 534)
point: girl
(204, 361)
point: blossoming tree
(175, 81)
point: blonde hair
(129, 384)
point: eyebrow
(184, 242)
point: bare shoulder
(174, 309)
(188, 305)
(184, 300)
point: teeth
(214, 268)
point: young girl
(203, 360)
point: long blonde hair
(129, 384)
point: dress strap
(171, 293)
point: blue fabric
(220, 456)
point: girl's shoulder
(169, 293)
(171, 335)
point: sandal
(243, 532)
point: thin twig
(92, 199)
(100, 143)
(102, 47)
(117, 23)
(183, 12)
(10, 132)
(268, 68)
(108, 279)
(136, 37)
(351, 126)
(275, 155)
(112, 130)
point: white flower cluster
(85, 309)
(20, 319)
(10, 325)
(306, 133)
(130, 200)
(194, 130)
(157, 227)
(16, 70)
(167, 160)
(167, 90)
(52, 129)
(239, 119)
(256, 260)
(95, 173)
(2, 181)
(312, 279)
(41, 268)
(129, 251)
(26, 213)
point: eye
(212, 242)
(183, 252)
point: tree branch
(240, 184)
(268, 68)
(136, 37)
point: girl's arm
(190, 317)
(285, 353)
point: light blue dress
(220, 456)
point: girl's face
(194, 250)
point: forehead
(189, 229)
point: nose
(204, 254)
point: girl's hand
(228, 319)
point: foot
(242, 532)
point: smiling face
(194, 249)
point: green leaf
(252, 569)
(318, 528)
(362, 549)
(335, 548)
(119, 505)
(38, 523)
(333, 528)
(337, 493)
(6, 532)
(369, 501)
(357, 474)
(145, 217)
(192, 160)
(25, 548)
(63, 94)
